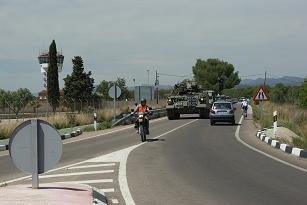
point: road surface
(193, 163)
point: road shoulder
(247, 134)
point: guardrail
(128, 119)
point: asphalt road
(201, 164)
(89, 148)
(195, 164)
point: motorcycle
(142, 119)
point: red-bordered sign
(261, 95)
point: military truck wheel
(203, 114)
(170, 115)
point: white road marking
(98, 181)
(75, 174)
(70, 165)
(263, 153)
(92, 166)
(107, 190)
(121, 156)
(114, 201)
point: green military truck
(189, 98)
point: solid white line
(92, 166)
(75, 174)
(122, 175)
(98, 181)
(107, 190)
(263, 153)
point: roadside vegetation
(289, 101)
(67, 120)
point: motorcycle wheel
(142, 133)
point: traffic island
(51, 194)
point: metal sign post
(35, 180)
(260, 97)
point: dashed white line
(76, 174)
(92, 166)
(114, 201)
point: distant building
(143, 91)
(43, 60)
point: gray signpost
(114, 92)
(35, 147)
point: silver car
(222, 111)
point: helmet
(143, 100)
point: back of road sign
(49, 146)
(261, 95)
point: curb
(278, 145)
(4, 147)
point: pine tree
(53, 78)
(79, 85)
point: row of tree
(15, 101)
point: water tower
(43, 60)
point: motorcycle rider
(142, 107)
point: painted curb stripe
(284, 147)
(296, 151)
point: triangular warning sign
(261, 95)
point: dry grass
(63, 120)
(289, 116)
(7, 129)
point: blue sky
(125, 38)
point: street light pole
(148, 77)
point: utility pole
(264, 78)
(157, 86)
(147, 77)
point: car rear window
(221, 106)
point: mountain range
(286, 80)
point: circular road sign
(49, 146)
(114, 92)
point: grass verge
(289, 116)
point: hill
(287, 80)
